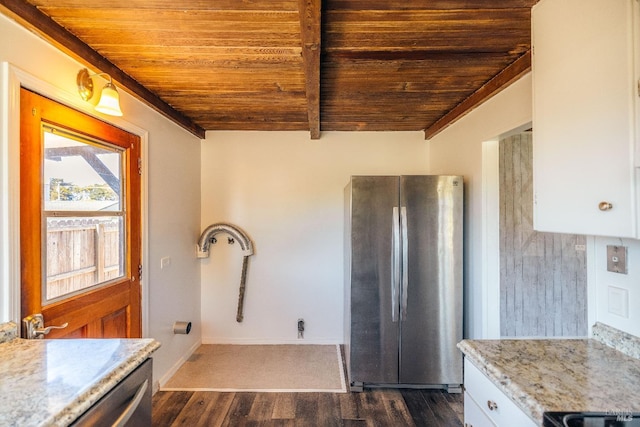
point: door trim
(491, 233)
(11, 79)
(490, 240)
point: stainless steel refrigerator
(403, 290)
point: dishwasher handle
(132, 406)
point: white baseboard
(166, 377)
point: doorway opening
(543, 276)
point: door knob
(33, 327)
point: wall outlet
(300, 328)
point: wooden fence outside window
(81, 253)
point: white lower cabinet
(486, 406)
(473, 415)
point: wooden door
(80, 227)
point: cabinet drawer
(494, 403)
(473, 415)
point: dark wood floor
(380, 408)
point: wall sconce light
(109, 99)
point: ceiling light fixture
(109, 99)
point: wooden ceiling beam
(32, 18)
(510, 74)
(343, 55)
(222, 5)
(425, 4)
(310, 12)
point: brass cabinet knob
(605, 206)
(492, 405)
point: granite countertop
(542, 375)
(52, 382)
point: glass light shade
(109, 101)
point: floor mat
(264, 368)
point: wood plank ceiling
(343, 65)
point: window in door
(83, 215)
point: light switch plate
(617, 259)
(165, 262)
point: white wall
(626, 314)
(458, 150)
(174, 227)
(286, 192)
(172, 176)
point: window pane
(82, 252)
(84, 222)
(80, 176)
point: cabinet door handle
(492, 405)
(605, 206)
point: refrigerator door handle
(405, 262)
(395, 268)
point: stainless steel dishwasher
(127, 404)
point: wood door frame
(11, 80)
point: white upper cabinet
(585, 91)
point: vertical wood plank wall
(543, 278)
